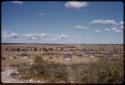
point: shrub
(102, 71)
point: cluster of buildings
(62, 52)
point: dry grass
(102, 71)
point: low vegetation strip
(102, 71)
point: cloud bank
(111, 25)
(9, 35)
(34, 36)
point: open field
(41, 63)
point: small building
(108, 55)
(67, 56)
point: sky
(64, 22)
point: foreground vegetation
(102, 71)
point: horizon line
(64, 43)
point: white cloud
(80, 27)
(44, 36)
(103, 22)
(97, 30)
(115, 29)
(118, 28)
(112, 25)
(9, 35)
(33, 36)
(107, 29)
(60, 36)
(75, 4)
(121, 27)
(17, 2)
(121, 23)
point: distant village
(63, 53)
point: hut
(108, 55)
(67, 56)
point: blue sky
(62, 22)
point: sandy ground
(6, 78)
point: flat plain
(19, 59)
